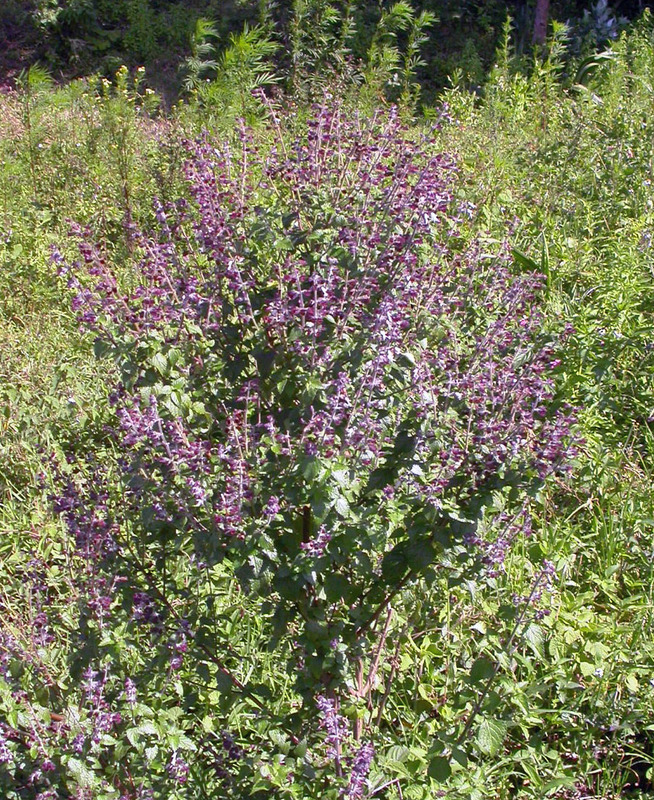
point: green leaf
(490, 736)
(482, 670)
(342, 507)
(420, 554)
(342, 477)
(439, 769)
(337, 587)
(523, 260)
(310, 468)
(82, 774)
(144, 729)
(151, 752)
(301, 749)
(398, 768)
(558, 783)
(460, 756)
(289, 587)
(223, 682)
(535, 637)
(101, 348)
(397, 753)
(160, 363)
(394, 564)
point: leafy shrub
(199, 63)
(242, 70)
(326, 396)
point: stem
(365, 690)
(540, 22)
(384, 603)
(30, 138)
(389, 683)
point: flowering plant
(323, 389)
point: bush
(328, 396)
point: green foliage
(63, 151)
(320, 608)
(199, 63)
(32, 83)
(417, 37)
(243, 68)
(384, 58)
(558, 706)
(320, 36)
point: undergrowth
(468, 687)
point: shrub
(327, 394)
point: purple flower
(5, 753)
(272, 507)
(359, 773)
(307, 332)
(317, 546)
(92, 686)
(381, 284)
(197, 491)
(129, 692)
(177, 768)
(144, 610)
(232, 750)
(334, 725)
(36, 776)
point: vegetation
(326, 418)
(78, 37)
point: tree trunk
(540, 22)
